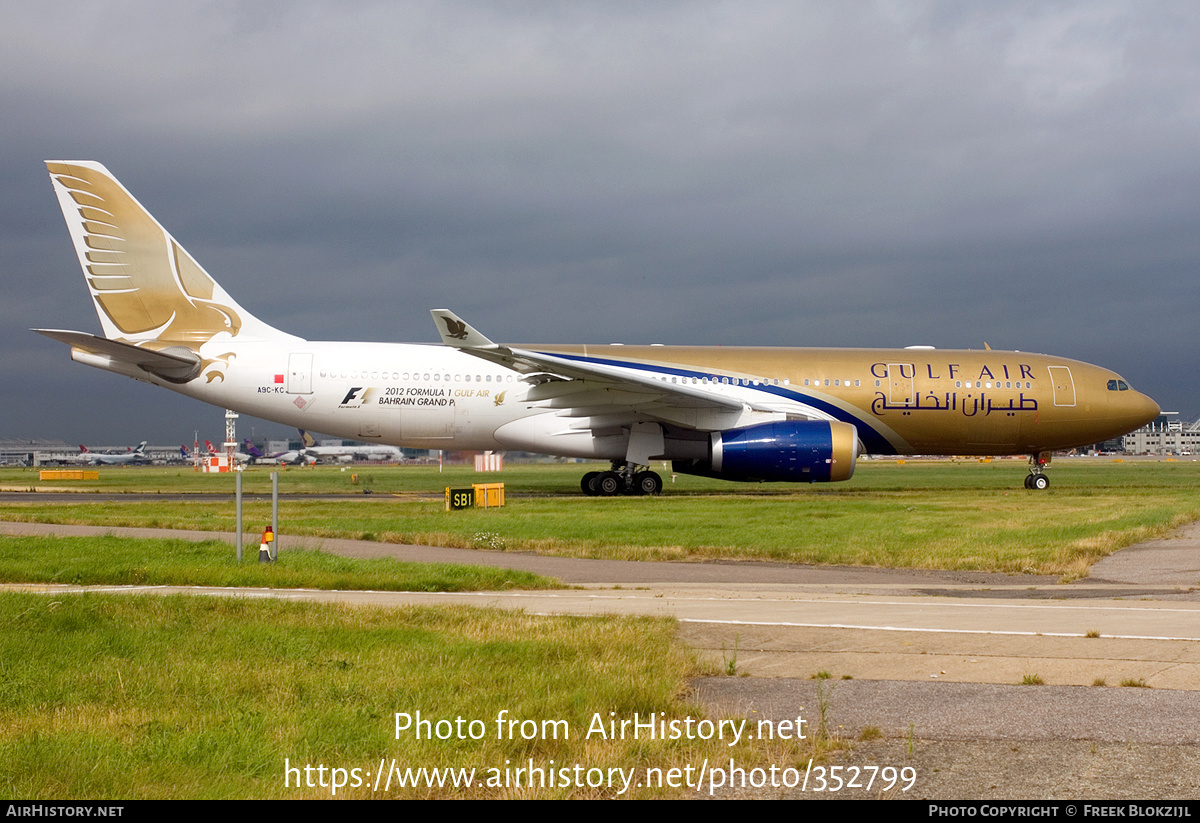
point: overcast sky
(793, 174)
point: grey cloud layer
(768, 173)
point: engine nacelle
(799, 451)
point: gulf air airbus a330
(765, 414)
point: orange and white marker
(264, 546)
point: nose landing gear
(1037, 480)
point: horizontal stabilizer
(176, 364)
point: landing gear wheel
(588, 484)
(609, 484)
(647, 483)
(1037, 480)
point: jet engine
(801, 451)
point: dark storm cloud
(765, 173)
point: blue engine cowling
(803, 451)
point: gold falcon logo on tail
(148, 291)
(143, 282)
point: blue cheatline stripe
(873, 441)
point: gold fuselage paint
(918, 401)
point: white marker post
(275, 514)
(238, 527)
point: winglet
(457, 332)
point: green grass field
(106, 696)
(89, 561)
(563, 478)
(949, 515)
(112, 697)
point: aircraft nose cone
(1148, 410)
(1136, 410)
(1130, 410)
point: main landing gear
(1037, 480)
(624, 478)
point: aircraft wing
(607, 394)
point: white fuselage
(416, 396)
(412, 395)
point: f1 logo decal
(354, 397)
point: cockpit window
(1118, 385)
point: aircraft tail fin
(306, 439)
(148, 291)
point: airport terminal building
(1166, 435)
(33, 452)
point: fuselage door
(1064, 386)
(900, 384)
(300, 373)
